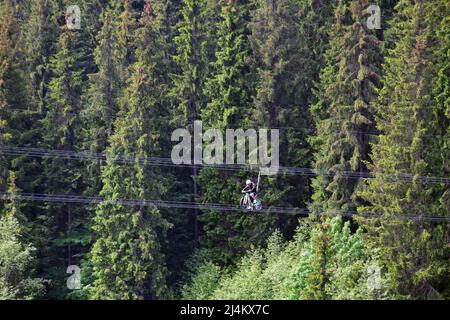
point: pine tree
(36, 33)
(193, 52)
(62, 125)
(288, 39)
(283, 35)
(191, 60)
(102, 99)
(344, 111)
(40, 37)
(228, 88)
(413, 252)
(126, 257)
(228, 91)
(319, 277)
(13, 95)
(5, 71)
(441, 94)
(127, 15)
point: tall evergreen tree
(62, 132)
(413, 252)
(6, 59)
(344, 111)
(288, 39)
(102, 98)
(13, 92)
(38, 33)
(191, 60)
(114, 55)
(228, 91)
(441, 94)
(40, 37)
(193, 52)
(126, 257)
(127, 14)
(319, 277)
(228, 88)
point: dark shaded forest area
(90, 207)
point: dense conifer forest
(91, 207)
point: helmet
(248, 181)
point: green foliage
(345, 95)
(62, 126)
(102, 98)
(191, 58)
(229, 85)
(328, 261)
(5, 59)
(345, 98)
(192, 43)
(412, 121)
(17, 258)
(126, 258)
(40, 37)
(203, 283)
(285, 67)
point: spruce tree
(319, 277)
(412, 251)
(127, 15)
(40, 37)
(126, 257)
(64, 235)
(228, 88)
(6, 57)
(13, 94)
(36, 34)
(288, 39)
(441, 94)
(228, 91)
(191, 59)
(344, 109)
(101, 103)
(190, 64)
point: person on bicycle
(250, 189)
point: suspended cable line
(167, 162)
(205, 206)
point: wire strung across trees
(206, 206)
(128, 159)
